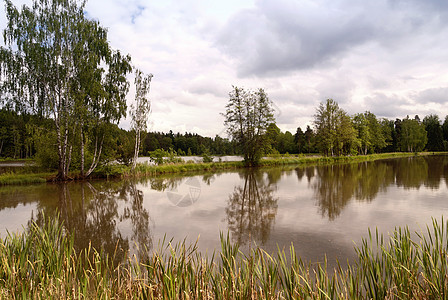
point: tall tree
(58, 64)
(140, 111)
(300, 140)
(272, 134)
(247, 117)
(413, 137)
(334, 129)
(388, 131)
(435, 133)
(310, 140)
(286, 143)
(445, 133)
(325, 122)
(346, 140)
(370, 133)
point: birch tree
(59, 64)
(140, 110)
(413, 137)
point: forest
(25, 136)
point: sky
(389, 57)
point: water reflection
(95, 213)
(321, 208)
(252, 207)
(336, 185)
(163, 183)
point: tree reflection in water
(95, 217)
(336, 185)
(251, 209)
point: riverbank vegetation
(42, 262)
(178, 166)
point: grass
(145, 169)
(42, 263)
(18, 179)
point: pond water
(197, 159)
(322, 210)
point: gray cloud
(283, 38)
(435, 95)
(387, 106)
(285, 35)
(434, 7)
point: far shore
(146, 169)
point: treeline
(28, 136)
(337, 133)
(187, 144)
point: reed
(42, 263)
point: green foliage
(157, 156)
(371, 136)
(58, 63)
(206, 157)
(47, 154)
(161, 156)
(334, 129)
(300, 140)
(445, 129)
(18, 179)
(434, 132)
(247, 117)
(413, 136)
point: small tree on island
(247, 117)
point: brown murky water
(322, 210)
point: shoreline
(147, 170)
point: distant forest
(30, 136)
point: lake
(322, 210)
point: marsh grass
(18, 179)
(42, 263)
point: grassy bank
(145, 169)
(17, 179)
(42, 263)
(151, 170)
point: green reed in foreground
(42, 263)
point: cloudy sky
(389, 57)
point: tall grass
(17, 179)
(42, 263)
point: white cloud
(385, 56)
